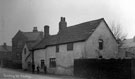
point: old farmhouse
(88, 40)
(127, 50)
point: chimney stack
(46, 31)
(4, 45)
(134, 39)
(62, 24)
(35, 29)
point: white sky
(25, 14)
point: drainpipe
(33, 64)
(1, 62)
(85, 51)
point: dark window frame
(52, 63)
(70, 46)
(101, 44)
(57, 48)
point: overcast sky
(25, 14)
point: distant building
(88, 40)
(127, 50)
(5, 53)
(22, 38)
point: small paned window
(52, 62)
(57, 48)
(100, 44)
(70, 46)
(127, 54)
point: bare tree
(117, 31)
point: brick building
(19, 40)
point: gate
(104, 68)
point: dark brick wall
(104, 69)
(17, 45)
(11, 64)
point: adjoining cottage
(127, 50)
(20, 39)
(88, 40)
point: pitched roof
(79, 32)
(32, 38)
(30, 44)
(128, 43)
(5, 48)
(33, 35)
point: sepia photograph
(67, 39)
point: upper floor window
(24, 50)
(52, 62)
(101, 42)
(70, 46)
(57, 48)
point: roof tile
(79, 32)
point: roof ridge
(87, 22)
(33, 32)
(78, 32)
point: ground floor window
(52, 62)
(69, 46)
(42, 64)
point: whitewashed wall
(64, 58)
(25, 63)
(50, 53)
(110, 48)
(38, 56)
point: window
(100, 56)
(52, 62)
(70, 46)
(42, 64)
(57, 48)
(100, 44)
(127, 53)
(24, 50)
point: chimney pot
(4, 45)
(46, 31)
(62, 24)
(35, 29)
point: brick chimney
(4, 45)
(35, 29)
(62, 24)
(46, 31)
